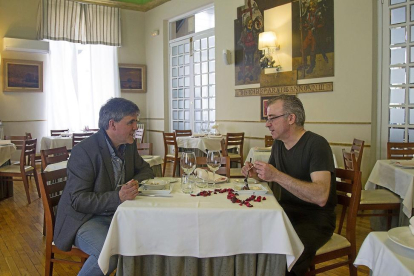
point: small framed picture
(22, 75)
(263, 107)
(133, 78)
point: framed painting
(133, 78)
(22, 75)
(263, 107)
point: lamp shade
(267, 40)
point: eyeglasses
(270, 120)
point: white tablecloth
(201, 143)
(263, 154)
(398, 180)
(51, 142)
(201, 227)
(6, 151)
(154, 160)
(384, 257)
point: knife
(152, 195)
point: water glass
(188, 184)
(201, 183)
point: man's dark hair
(116, 109)
(291, 105)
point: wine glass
(188, 163)
(213, 163)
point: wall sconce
(267, 43)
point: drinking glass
(213, 163)
(188, 162)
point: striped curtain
(79, 23)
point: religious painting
(133, 78)
(22, 75)
(313, 38)
(263, 107)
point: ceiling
(137, 5)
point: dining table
(178, 231)
(384, 256)
(399, 180)
(6, 150)
(51, 142)
(200, 144)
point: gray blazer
(90, 185)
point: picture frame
(22, 75)
(133, 78)
(263, 107)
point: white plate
(166, 191)
(219, 180)
(169, 179)
(256, 189)
(405, 164)
(402, 236)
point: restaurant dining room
(206, 137)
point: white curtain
(82, 79)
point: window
(192, 72)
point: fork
(247, 176)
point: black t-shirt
(310, 154)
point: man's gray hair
(116, 109)
(291, 105)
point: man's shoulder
(315, 138)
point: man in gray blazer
(97, 168)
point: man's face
(278, 126)
(124, 130)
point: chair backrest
(235, 139)
(348, 189)
(268, 140)
(28, 154)
(358, 148)
(400, 150)
(51, 187)
(57, 132)
(350, 162)
(144, 148)
(139, 135)
(78, 137)
(170, 140)
(185, 132)
(52, 156)
(201, 162)
(17, 140)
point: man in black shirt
(301, 163)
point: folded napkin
(208, 176)
(412, 225)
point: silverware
(152, 195)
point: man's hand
(265, 171)
(250, 171)
(129, 191)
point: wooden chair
(139, 135)
(235, 139)
(400, 150)
(201, 162)
(268, 140)
(380, 199)
(78, 137)
(349, 194)
(180, 133)
(234, 172)
(52, 156)
(170, 140)
(38, 158)
(144, 148)
(26, 167)
(57, 132)
(52, 185)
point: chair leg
(352, 269)
(175, 166)
(341, 221)
(163, 169)
(37, 183)
(26, 187)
